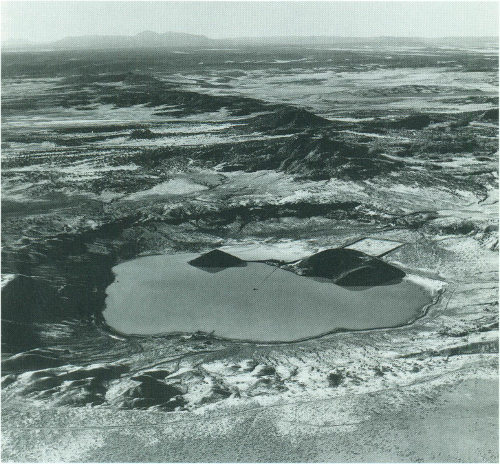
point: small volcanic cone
(349, 268)
(217, 259)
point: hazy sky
(47, 21)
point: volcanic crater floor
(253, 302)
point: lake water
(164, 294)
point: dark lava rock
(99, 373)
(217, 259)
(142, 134)
(335, 379)
(312, 156)
(415, 121)
(31, 360)
(266, 370)
(144, 403)
(43, 383)
(152, 392)
(289, 119)
(150, 387)
(220, 392)
(459, 228)
(232, 167)
(349, 268)
(490, 115)
(156, 374)
(26, 300)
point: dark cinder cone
(349, 267)
(216, 258)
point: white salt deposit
(373, 246)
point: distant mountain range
(146, 39)
(17, 43)
(149, 39)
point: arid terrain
(268, 153)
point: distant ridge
(150, 39)
(146, 39)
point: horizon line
(246, 37)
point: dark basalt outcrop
(33, 359)
(490, 115)
(152, 392)
(335, 379)
(138, 134)
(217, 259)
(288, 119)
(98, 373)
(348, 268)
(413, 122)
